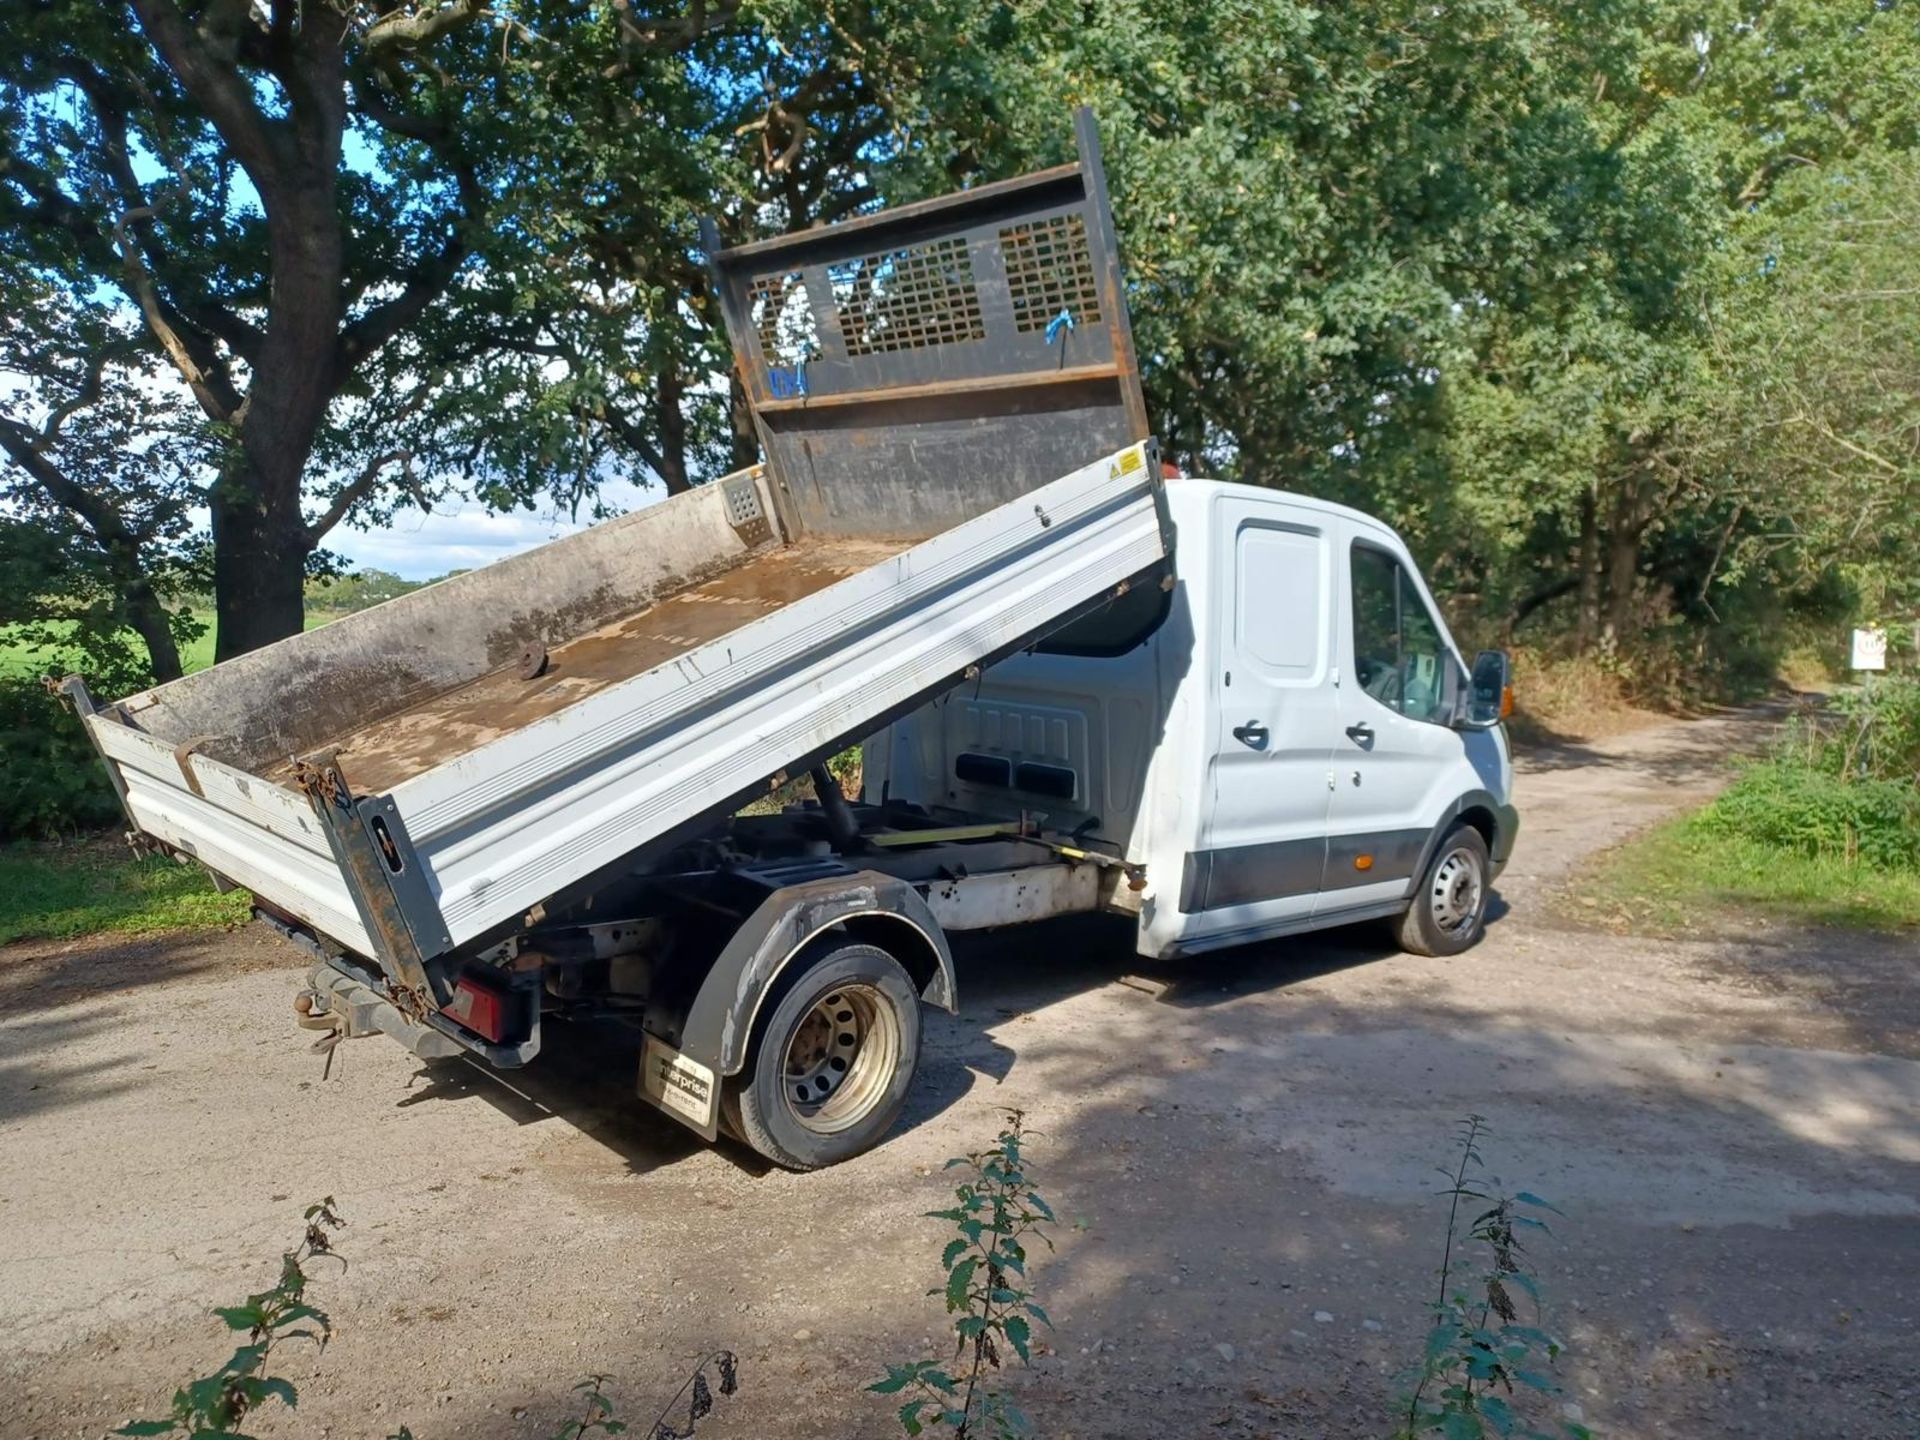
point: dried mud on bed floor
(382, 754)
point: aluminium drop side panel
(515, 821)
(186, 755)
(254, 833)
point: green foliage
(997, 1213)
(1676, 880)
(1879, 734)
(1784, 805)
(1607, 308)
(218, 1403)
(58, 620)
(357, 590)
(54, 891)
(1843, 786)
(1481, 1363)
(599, 1415)
(55, 783)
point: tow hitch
(347, 1009)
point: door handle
(1252, 734)
(1360, 733)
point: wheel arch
(1481, 818)
(1495, 821)
(799, 921)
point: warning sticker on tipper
(676, 1084)
(1131, 461)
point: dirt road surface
(1243, 1164)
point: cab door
(1273, 718)
(1397, 761)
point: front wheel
(1448, 913)
(832, 1062)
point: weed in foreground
(1481, 1363)
(216, 1404)
(998, 1212)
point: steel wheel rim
(841, 1059)
(1454, 897)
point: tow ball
(312, 1012)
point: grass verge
(60, 891)
(1678, 879)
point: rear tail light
(479, 1006)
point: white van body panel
(1216, 755)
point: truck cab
(1290, 748)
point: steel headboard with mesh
(911, 368)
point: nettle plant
(598, 1416)
(216, 1404)
(997, 1214)
(1481, 1363)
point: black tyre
(833, 1057)
(1448, 912)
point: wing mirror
(1489, 698)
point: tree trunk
(259, 568)
(1587, 619)
(1545, 595)
(746, 441)
(672, 420)
(260, 536)
(148, 618)
(1623, 564)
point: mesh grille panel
(1049, 270)
(781, 315)
(907, 299)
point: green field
(59, 891)
(17, 657)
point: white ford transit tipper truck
(516, 798)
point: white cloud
(467, 536)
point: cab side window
(1398, 656)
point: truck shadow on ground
(585, 1075)
(35, 1076)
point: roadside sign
(1870, 649)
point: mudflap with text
(681, 1086)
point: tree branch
(408, 29)
(111, 109)
(1543, 596)
(427, 283)
(375, 107)
(633, 436)
(359, 489)
(24, 448)
(666, 36)
(216, 87)
(203, 371)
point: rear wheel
(832, 1061)
(1449, 910)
